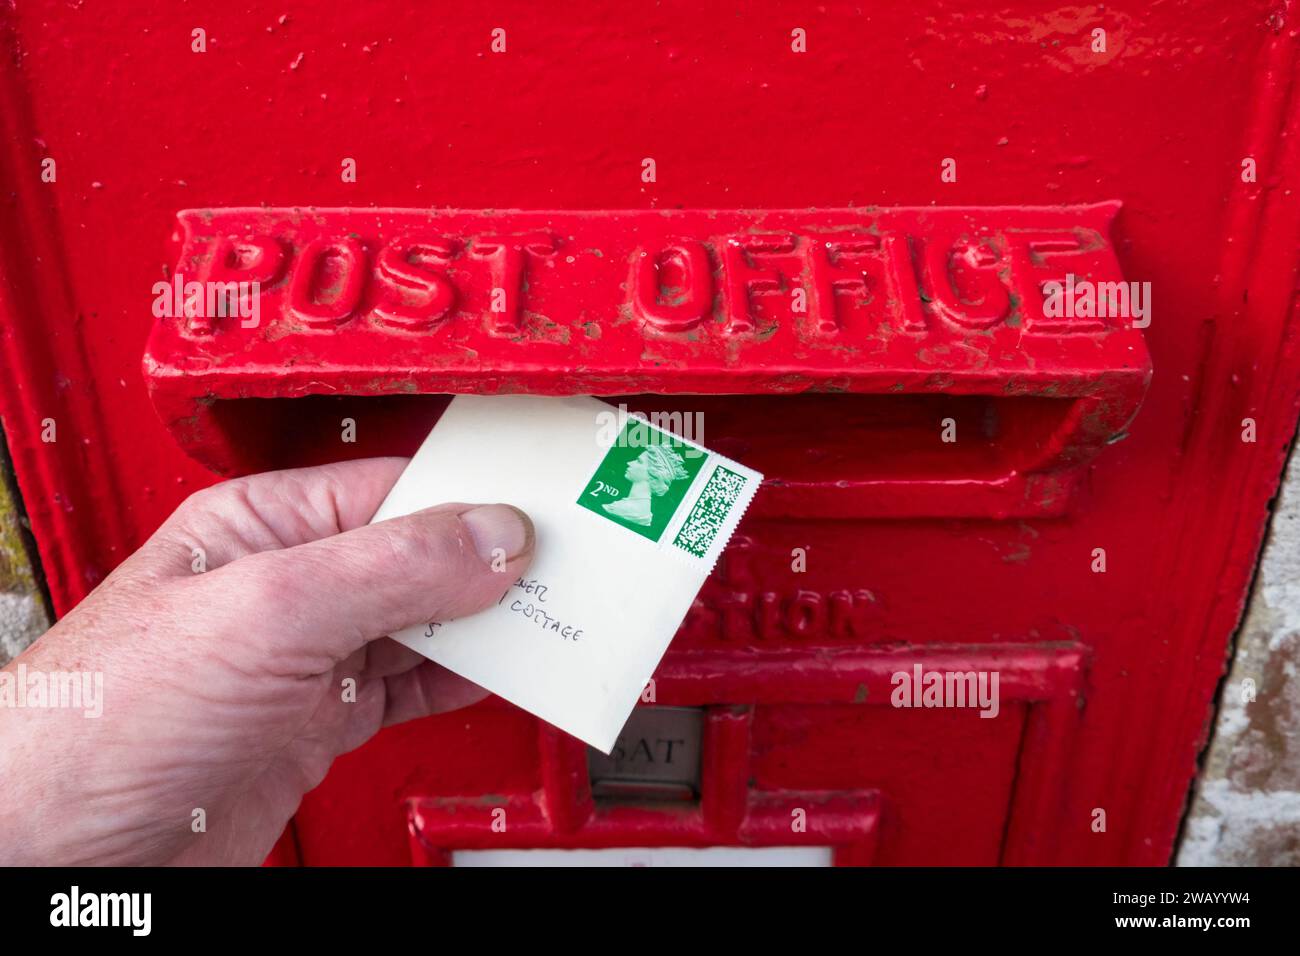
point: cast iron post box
(875, 364)
(837, 237)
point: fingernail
(499, 531)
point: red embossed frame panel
(885, 301)
(733, 811)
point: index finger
(271, 511)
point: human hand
(224, 691)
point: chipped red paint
(908, 561)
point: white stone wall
(1246, 809)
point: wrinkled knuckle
(213, 499)
(264, 583)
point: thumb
(312, 605)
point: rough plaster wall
(1247, 806)
(22, 609)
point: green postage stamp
(677, 494)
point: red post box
(994, 305)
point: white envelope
(630, 519)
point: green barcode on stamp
(710, 512)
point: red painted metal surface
(1040, 685)
(1116, 671)
(894, 302)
